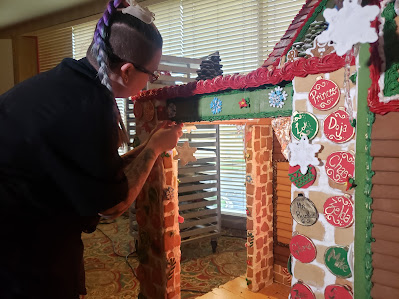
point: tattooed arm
(139, 168)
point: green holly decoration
(353, 78)
(165, 154)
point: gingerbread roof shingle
(285, 43)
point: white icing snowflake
(303, 154)
(277, 97)
(349, 25)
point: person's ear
(126, 71)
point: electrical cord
(133, 252)
(117, 254)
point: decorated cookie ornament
(336, 260)
(340, 166)
(303, 154)
(171, 110)
(338, 211)
(304, 211)
(185, 153)
(320, 49)
(337, 127)
(216, 105)
(304, 123)
(349, 25)
(189, 128)
(138, 110)
(277, 97)
(337, 291)
(302, 248)
(301, 290)
(244, 103)
(324, 94)
(302, 180)
(148, 111)
(292, 55)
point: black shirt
(59, 167)
(58, 144)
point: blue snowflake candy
(277, 97)
(216, 106)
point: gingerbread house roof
(270, 73)
(308, 10)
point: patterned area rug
(109, 276)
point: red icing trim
(261, 76)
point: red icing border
(261, 76)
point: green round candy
(304, 123)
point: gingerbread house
(326, 99)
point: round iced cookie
(338, 291)
(337, 127)
(340, 166)
(302, 248)
(304, 211)
(302, 180)
(324, 94)
(304, 123)
(301, 290)
(138, 110)
(336, 261)
(338, 211)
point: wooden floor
(237, 289)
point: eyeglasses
(153, 75)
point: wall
(323, 234)
(25, 58)
(7, 68)
(385, 216)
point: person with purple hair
(59, 164)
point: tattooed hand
(165, 138)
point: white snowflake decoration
(349, 25)
(303, 154)
(277, 97)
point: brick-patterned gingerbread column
(156, 213)
(259, 144)
(172, 238)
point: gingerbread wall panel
(385, 216)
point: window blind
(54, 45)
(244, 32)
(82, 35)
(232, 170)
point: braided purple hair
(99, 50)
